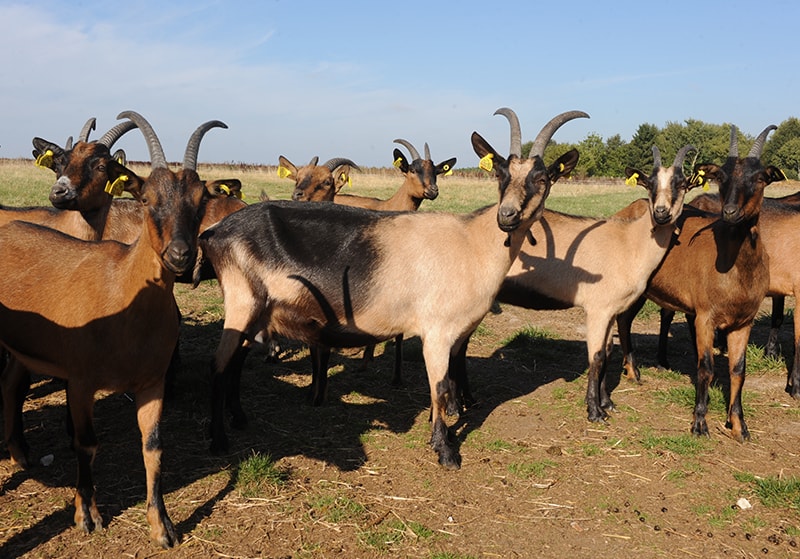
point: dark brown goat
(117, 332)
(717, 270)
(336, 276)
(778, 225)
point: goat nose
(661, 214)
(178, 255)
(507, 217)
(730, 212)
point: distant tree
(787, 130)
(592, 161)
(788, 158)
(616, 156)
(640, 148)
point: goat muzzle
(662, 215)
(178, 256)
(62, 195)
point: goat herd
(338, 275)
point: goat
(600, 265)
(419, 184)
(778, 226)
(717, 270)
(117, 332)
(316, 182)
(336, 276)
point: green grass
(683, 396)
(335, 508)
(529, 470)
(757, 362)
(774, 492)
(528, 337)
(258, 475)
(683, 445)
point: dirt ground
(357, 478)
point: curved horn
(193, 147)
(427, 152)
(681, 155)
(314, 160)
(109, 138)
(755, 151)
(68, 145)
(656, 158)
(157, 158)
(550, 128)
(516, 132)
(331, 164)
(734, 151)
(411, 149)
(87, 129)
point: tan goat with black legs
(717, 270)
(117, 331)
(336, 276)
(600, 265)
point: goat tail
(198, 265)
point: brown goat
(316, 182)
(778, 225)
(336, 276)
(117, 332)
(717, 271)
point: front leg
(737, 349)
(437, 357)
(320, 356)
(149, 405)
(704, 336)
(793, 376)
(81, 399)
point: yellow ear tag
(699, 179)
(560, 167)
(447, 170)
(283, 172)
(631, 180)
(346, 178)
(117, 187)
(224, 188)
(397, 162)
(486, 162)
(783, 174)
(45, 160)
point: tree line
(608, 158)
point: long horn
(550, 128)
(157, 158)
(68, 145)
(331, 164)
(755, 151)
(193, 147)
(681, 155)
(411, 149)
(656, 158)
(734, 151)
(427, 152)
(516, 132)
(313, 162)
(109, 138)
(87, 129)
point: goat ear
(708, 171)
(489, 156)
(446, 167)
(341, 177)
(44, 152)
(286, 169)
(774, 174)
(120, 179)
(563, 166)
(634, 177)
(400, 161)
(225, 187)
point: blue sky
(344, 79)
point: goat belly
(519, 295)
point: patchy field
(355, 478)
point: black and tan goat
(419, 184)
(117, 332)
(600, 265)
(717, 271)
(335, 276)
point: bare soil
(359, 480)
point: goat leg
(15, 382)
(705, 372)
(776, 321)
(737, 349)
(149, 404)
(81, 399)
